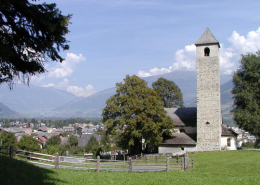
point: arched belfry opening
(206, 51)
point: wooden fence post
(167, 164)
(177, 158)
(130, 165)
(98, 162)
(57, 160)
(183, 163)
(127, 158)
(187, 162)
(11, 151)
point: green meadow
(222, 167)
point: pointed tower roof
(207, 38)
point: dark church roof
(207, 38)
(227, 131)
(183, 116)
(83, 140)
(179, 139)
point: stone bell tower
(208, 93)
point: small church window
(182, 130)
(206, 51)
(228, 142)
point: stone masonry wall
(208, 104)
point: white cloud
(242, 45)
(229, 57)
(226, 59)
(63, 84)
(79, 91)
(154, 71)
(66, 68)
(185, 59)
(48, 85)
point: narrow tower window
(206, 51)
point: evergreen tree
(169, 92)
(30, 35)
(246, 93)
(136, 113)
(92, 143)
(93, 146)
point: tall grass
(223, 167)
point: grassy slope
(236, 167)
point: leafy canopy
(54, 140)
(135, 112)
(73, 140)
(169, 92)
(7, 139)
(91, 143)
(246, 93)
(28, 143)
(30, 35)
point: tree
(29, 144)
(34, 121)
(91, 143)
(246, 93)
(54, 140)
(7, 139)
(169, 92)
(93, 146)
(79, 131)
(73, 140)
(105, 141)
(136, 113)
(30, 35)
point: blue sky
(111, 39)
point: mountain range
(36, 101)
(33, 100)
(6, 112)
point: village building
(200, 128)
(68, 129)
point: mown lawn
(223, 167)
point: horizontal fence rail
(137, 163)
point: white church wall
(176, 149)
(168, 149)
(224, 143)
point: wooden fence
(144, 163)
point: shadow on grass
(13, 171)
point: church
(200, 128)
